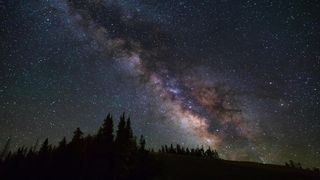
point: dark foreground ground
(184, 167)
(167, 167)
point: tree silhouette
(121, 132)
(128, 129)
(5, 149)
(142, 143)
(45, 147)
(99, 156)
(77, 136)
(63, 143)
(105, 133)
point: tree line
(198, 152)
(104, 155)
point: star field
(239, 76)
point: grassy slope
(184, 167)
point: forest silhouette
(110, 154)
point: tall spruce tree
(105, 133)
(142, 143)
(45, 147)
(121, 132)
(77, 136)
(62, 143)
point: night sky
(240, 76)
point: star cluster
(239, 76)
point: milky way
(189, 73)
(132, 54)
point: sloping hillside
(184, 167)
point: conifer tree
(121, 134)
(142, 143)
(62, 143)
(128, 129)
(5, 149)
(105, 133)
(45, 147)
(77, 136)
